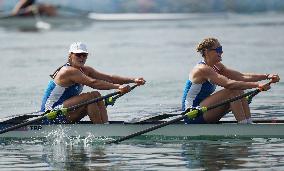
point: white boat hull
(174, 130)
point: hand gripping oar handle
(249, 97)
(111, 100)
(187, 113)
(53, 114)
(121, 94)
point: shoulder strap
(58, 69)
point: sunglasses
(81, 54)
(218, 49)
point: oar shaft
(147, 130)
(91, 101)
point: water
(162, 52)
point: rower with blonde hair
(210, 72)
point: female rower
(211, 72)
(66, 85)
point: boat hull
(264, 130)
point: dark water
(162, 52)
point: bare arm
(207, 73)
(69, 76)
(238, 76)
(111, 78)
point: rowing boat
(25, 126)
(30, 23)
(261, 128)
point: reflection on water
(142, 155)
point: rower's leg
(103, 111)
(97, 111)
(246, 108)
(237, 109)
(240, 108)
(94, 113)
(76, 115)
(92, 110)
(216, 114)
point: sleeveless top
(55, 95)
(194, 93)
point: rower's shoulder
(68, 71)
(88, 68)
(201, 68)
(199, 73)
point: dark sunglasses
(218, 49)
(81, 54)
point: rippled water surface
(163, 53)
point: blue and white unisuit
(55, 95)
(194, 94)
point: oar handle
(261, 88)
(121, 94)
(111, 100)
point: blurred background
(162, 6)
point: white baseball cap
(78, 47)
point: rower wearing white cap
(65, 87)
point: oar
(54, 113)
(188, 113)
